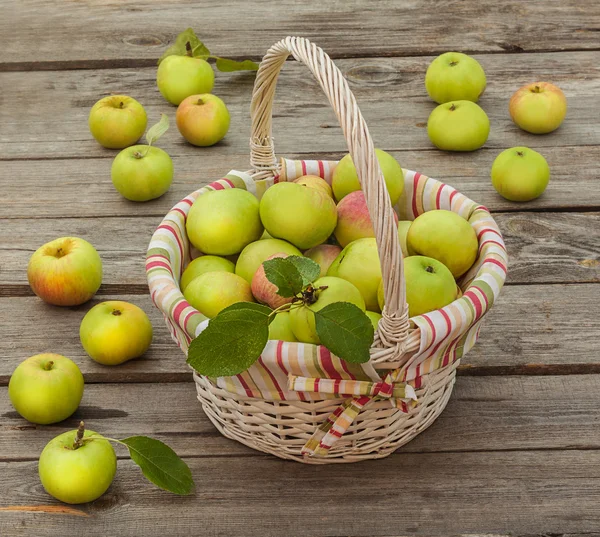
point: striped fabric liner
(300, 371)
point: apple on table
(538, 108)
(117, 121)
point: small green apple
(453, 76)
(314, 181)
(281, 327)
(256, 253)
(324, 255)
(114, 332)
(80, 474)
(214, 291)
(65, 272)
(46, 388)
(538, 108)
(359, 264)
(458, 126)
(520, 174)
(117, 121)
(203, 120)
(202, 264)
(142, 172)
(345, 178)
(178, 77)
(403, 226)
(223, 222)
(303, 216)
(302, 318)
(445, 236)
(374, 317)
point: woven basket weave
(298, 401)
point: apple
(114, 332)
(223, 222)
(205, 263)
(302, 318)
(214, 291)
(203, 120)
(314, 181)
(374, 317)
(358, 263)
(538, 108)
(520, 174)
(142, 172)
(345, 178)
(266, 292)
(65, 271)
(178, 77)
(458, 126)
(265, 235)
(303, 216)
(453, 76)
(445, 236)
(117, 121)
(281, 328)
(354, 220)
(46, 388)
(429, 285)
(323, 255)
(77, 474)
(403, 226)
(256, 253)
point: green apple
(324, 255)
(455, 77)
(178, 77)
(256, 253)
(314, 181)
(223, 222)
(202, 264)
(520, 174)
(114, 332)
(266, 292)
(374, 317)
(302, 318)
(142, 172)
(65, 271)
(358, 263)
(458, 126)
(429, 285)
(403, 226)
(214, 291)
(77, 474)
(46, 388)
(117, 121)
(265, 235)
(538, 108)
(345, 178)
(303, 216)
(203, 120)
(445, 236)
(281, 327)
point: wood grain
(96, 33)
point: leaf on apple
(156, 131)
(309, 270)
(226, 65)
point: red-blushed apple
(354, 221)
(538, 108)
(257, 252)
(314, 181)
(178, 77)
(520, 174)
(203, 120)
(46, 388)
(117, 121)
(215, 291)
(65, 272)
(458, 126)
(324, 255)
(266, 292)
(205, 263)
(114, 332)
(453, 76)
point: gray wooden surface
(516, 452)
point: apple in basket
(265, 291)
(281, 327)
(374, 317)
(205, 263)
(324, 255)
(455, 77)
(253, 255)
(215, 291)
(520, 174)
(458, 126)
(314, 181)
(117, 121)
(538, 108)
(403, 226)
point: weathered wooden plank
(543, 247)
(418, 494)
(52, 122)
(533, 329)
(484, 414)
(138, 32)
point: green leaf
(308, 269)
(227, 66)
(284, 274)
(160, 464)
(156, 131)
(232, 341)
(199, 49)
(345, 330)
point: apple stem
(520, 153)
(49, 365)
(200, 101)
(79, 438)
(452, 107)
(429, 269)
(116, 312)
(536, 89)
(137, 154)
(188, 49)
(121, 105)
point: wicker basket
(298, 401)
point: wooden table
(516, 451)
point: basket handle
(394, 325)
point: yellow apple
(374, 317)
(214, 291)
(256, 253)
(117, 121)
(538, 108)
(202, 264)
(281, 327)
(314, 181)
(203, 120)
